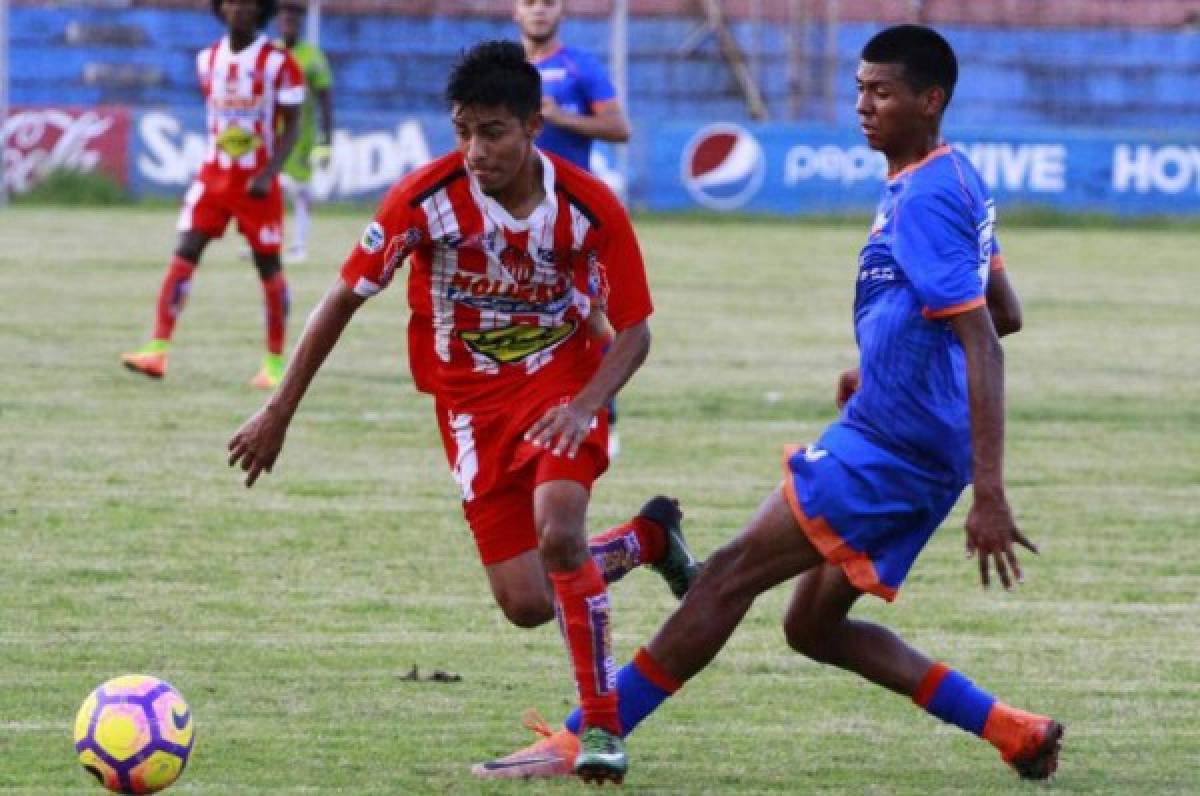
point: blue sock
(954, 699)
(637, 698)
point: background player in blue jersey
(579, 105)
(923, 417)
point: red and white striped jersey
(242, 91)
(499, 303)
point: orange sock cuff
(655, 673)
(929, 684)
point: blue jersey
(579, 84)
(928, 256)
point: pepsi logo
(723, 166)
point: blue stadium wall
(1076, 119)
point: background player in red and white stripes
(500, 238)
(253, 91)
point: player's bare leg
(522, 590)
(817, 626)
(770, 550)
(276, 302)
(151, 359)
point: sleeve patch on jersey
(365, 287)
(372, 238)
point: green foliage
(289, 615)
(71, 187)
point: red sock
(172, 296)
(277, 301)
(583, 610)
(620, 550)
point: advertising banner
(726, 166)
(674, 166)
(370, 152)
(38, 141)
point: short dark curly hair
(927, 58)
(496, 74)
(266, 11)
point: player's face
(241, 16)
(494, 142)
(891, 114)
(538, 19)
(290, 20)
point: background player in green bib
(313, 146)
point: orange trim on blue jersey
(944, 149)
(997, 263)
(856, 564)
(956, 309)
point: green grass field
(288, 614)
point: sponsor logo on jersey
(723, 166)
(515, 343)
(236, 142)
(517, 263)
(502, 295)
(372, 238)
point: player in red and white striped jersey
(253, 91)
(501, 240)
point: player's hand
(847, 385)
(550, 109)
(991, 534)
(320, 156)
(561, 430)
(257, 443)
(260, 185)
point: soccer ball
(134, 734)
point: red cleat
(1028, 742)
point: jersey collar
(942, 149)
(541, 59)
(498, 213)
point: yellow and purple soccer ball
(134, 734)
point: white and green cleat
(601, 757)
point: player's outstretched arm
(991, 529)
(257, 443)
(1003, 304)
(563, 428)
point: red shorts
(215, 197)
(497, 471)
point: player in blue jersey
(579, 103)
(923, 417)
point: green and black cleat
(601, 757)
(678, 566)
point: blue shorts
(864, 508)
